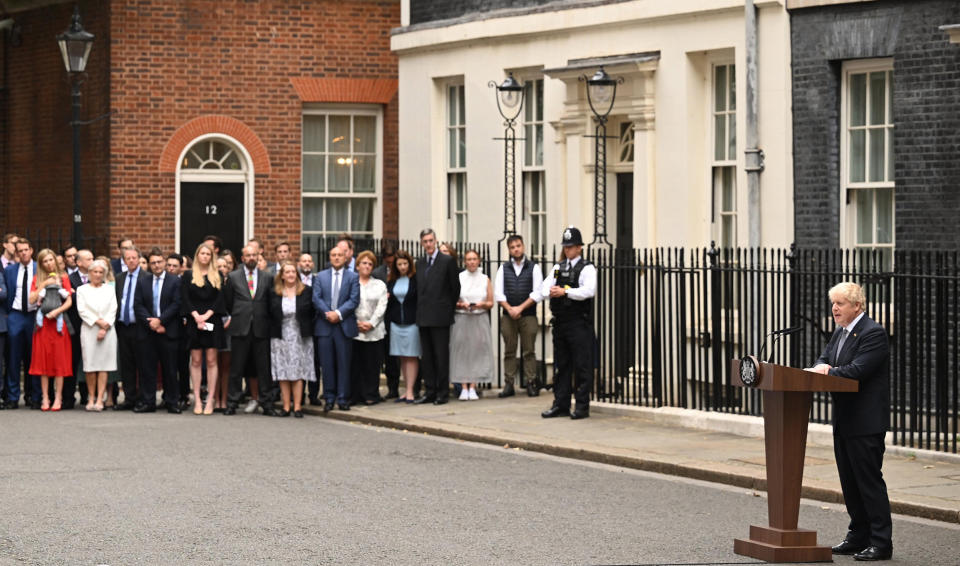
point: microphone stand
(777, 334)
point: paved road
(159, 489)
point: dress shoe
(424, 399)
(145, 409)
(440, 401)
(872, 553)
(532, 390)
(343, 406)
(230, 411)
(298, 414)
(507, 391)
(282, 413)
(327, 407)
(173, 409)
(555, 412)
(848, 547)
(316, 402)
(270, 412)
(578, 414)
(123, 406)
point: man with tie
(438, 288)
(20, 321)
(126, 326)
(246, 294)
(79, 277)
(336, 293)
(859, 349)
(157, 308)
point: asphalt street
(118, 488)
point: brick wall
(169, 63)
(926, 110)
(36, 181)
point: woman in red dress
(52, 354)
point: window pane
(461, 192)
(192, 159)
(528, 102)
(364, 134)
(733, 88)
(312, 214)
(732, 138)
(890, 176)
(720, 137)
(878, 104)
(339, 134)
(461, 105)
(452, 147)
(858, 99)
(720, 88)
(539, 99)
(337, 214)
(313, 173)
(314, 133)
(538, 157)
(729, 191)
(728, 237)
(528, 144)
(857, 155)
(361, 215)
(864, 199)
(884, 216)
(339, 179)
(452, 106)
(877, 154)
(364, 174)
(462, 146)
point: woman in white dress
(97, 306)
(471, 349)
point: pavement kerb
(626, 461)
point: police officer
(570, 286)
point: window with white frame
(456, 161)
(341, 171)
(534, 181)
(867, 157)
(723, 168)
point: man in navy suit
(157, 307)
(336, 293)
(126, 326)
(860, 350)
(20, 320)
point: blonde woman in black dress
(204, 309)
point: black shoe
(145, 409)
(12, 405)
(532, 390)
(282, 413)
(441, 401)
(68, 405)
(183, 404)
(424, 400)
(124, 406)
(848, 547)
(316, 402)
(270, 412)
(173, 409)
(872, 553)
(343, 406)
(298, 414)
(578, 414)
(230, 411)
(327, 407)
(507, 391)
(555, 411)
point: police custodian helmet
(571, 237)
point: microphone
(778, 334)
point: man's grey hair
(132, 249)
(427, 232)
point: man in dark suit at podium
(859, 350)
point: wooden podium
(787, 398)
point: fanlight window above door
(212, 155)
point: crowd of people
(218, 332)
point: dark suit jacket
(347, 303)
(10, 274)
(437, 291)
(248, 315)
(305, 313)
(117, 265)
(121, 284)
(380, 272)
(3, 304)
(72, 313)
(865, 357)
(170, 295)
(407, 312)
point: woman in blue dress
(402, 316)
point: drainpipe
(753, 156)
(6, 27)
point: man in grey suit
(246, 293)
(438, 288)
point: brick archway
(214, 124)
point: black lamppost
(509, 103)
(601, 92)
(75, 45)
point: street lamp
(509, 103)
(601, 92)
(75, 45)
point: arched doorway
(214, 193)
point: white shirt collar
(853, 324)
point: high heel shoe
(209, 409)
(198, 409)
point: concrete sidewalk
(920, 483)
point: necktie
(156, 295)
(250, 283)
(83, 279)
(429, 262)
(128, 304)
(24, 301)
(843, 338)
(336, 290)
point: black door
(624, 236)
(211, 208)
(625, 289)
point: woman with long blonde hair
(52, 354)
(202, 305)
